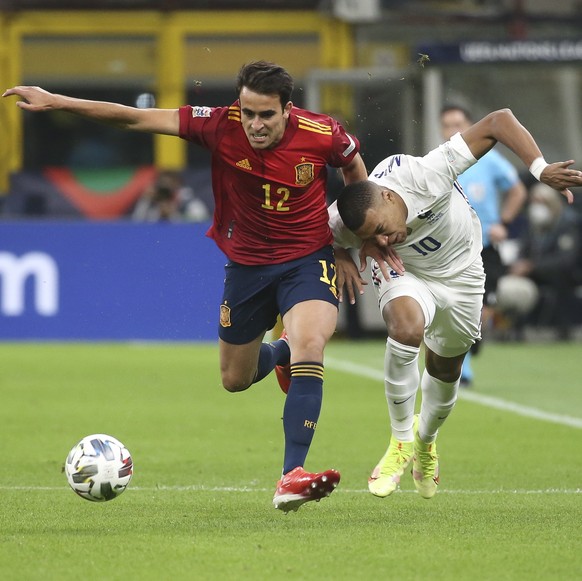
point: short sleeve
(457, 154)
(199, 124)
(344, 146)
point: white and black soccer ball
(99, 468)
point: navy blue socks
(271, 354)
(301, 412)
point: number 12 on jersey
(284, 194)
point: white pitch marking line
(203, 488)
(484, 400)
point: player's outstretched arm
(503, 127)
(35, 99)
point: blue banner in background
(510, 51)
(109, 281)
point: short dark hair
(453, 107)
(265, 78)
(354, 202)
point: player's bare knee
(235, 387)
(448, 376)
(234, 383)
(310, 350)
(404, 321)
(406, 335)
(444, 369)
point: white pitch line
(484, 400)
(243, 489)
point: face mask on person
(540, 216)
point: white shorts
(451, 306)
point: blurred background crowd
(384, 68)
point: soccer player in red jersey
(269, 173)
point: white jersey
(444, 233)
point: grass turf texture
(206, 462)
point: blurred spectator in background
(169, 199)
(497, 194)
(540, 286)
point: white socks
(401, 379)
(401, 384)
(438, 399)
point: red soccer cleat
(298, 487)
(283, 372)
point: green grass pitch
(206, 462)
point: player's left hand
(561, 176)
(385, 256)
(348, 276)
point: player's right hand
(385, 256)
(348, 276)
(34, 98)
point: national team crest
(304, 173)
(225, 316)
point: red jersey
(270, 204)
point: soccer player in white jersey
(411, 217)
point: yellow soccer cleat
(425, 465)
(386, 476)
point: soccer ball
(99, 468)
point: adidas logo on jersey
(245, 164)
